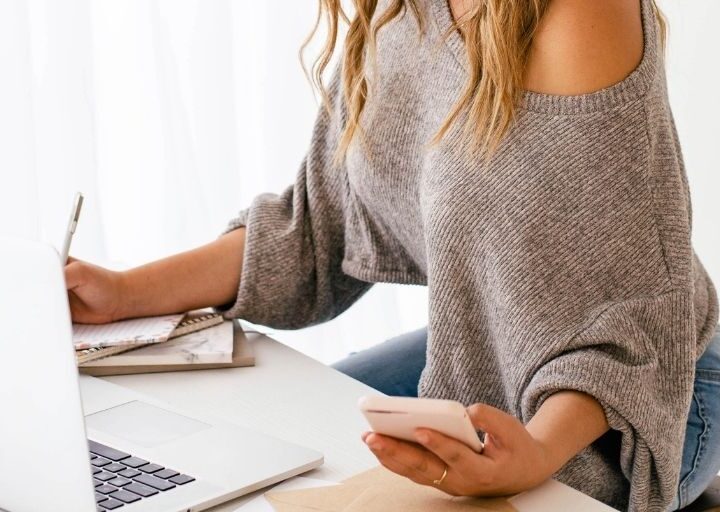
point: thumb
(498, 424)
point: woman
(520, 159)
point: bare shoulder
(585, 45)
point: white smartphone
(399, 417)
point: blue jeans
(394, 368)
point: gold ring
(440, 481)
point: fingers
(74, 275)
(76, 306)
(454, 453)
(492, 421)
(406, 459)
(403, 470)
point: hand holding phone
(399, 417)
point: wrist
(550, 460)
(564, 425)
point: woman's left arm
(516, 457)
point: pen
(72, 225)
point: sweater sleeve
(633, 359)
(292, 275)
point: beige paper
(333, 498)
(379, 490)
(379, 476)
(384, 498)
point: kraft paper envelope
(379, 490)
(385, 498)
(323, 499)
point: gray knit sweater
(565, 262)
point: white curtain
(170, 115)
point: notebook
(243, 355)
(192, 322)
(138, 331)
(211, 345)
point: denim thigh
(392, 367)
(701, 448)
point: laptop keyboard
(121, 478)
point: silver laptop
(124, 451)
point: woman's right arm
(202, 277)
(290, 255)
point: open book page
(211, 345)
(139, 331)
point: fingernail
(422, 437)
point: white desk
(293, 397)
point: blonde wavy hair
(498, 35)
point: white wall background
(172, 114)
(694, 83)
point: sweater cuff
(230, 310)
(651, 436)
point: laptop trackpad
(143, 424)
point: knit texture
(563, 262)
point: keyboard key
(106, 451)
(109, 505)
(157, 483)
(125, 496)
(165, 473)
(134, 462)
(129, 473)
(105, 489)
(121, 478)
(140, 489)
(119, 481)
(150, 468)
(182, 479)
